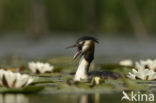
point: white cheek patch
(86, 45)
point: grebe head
(85, 48)
(85, 45)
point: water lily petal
(29, 81)
(32, 67)
(131, 76)
(134, 71)
(21, 80)
(9, 78)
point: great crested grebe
(85, 48)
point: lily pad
(29, 89)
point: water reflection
(66, 98)
(89, 98)
(21, 98)
(60, 98)
(83, 99)
(13, 98)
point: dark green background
(109, 16)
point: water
(110, 48)
(60, 98)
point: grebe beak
(72, 46)
(77, 53)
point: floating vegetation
(29, 89)
(61, 81)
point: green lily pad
(47, 74)
(29, 89)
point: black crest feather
(87, 38)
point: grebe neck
(82, 71)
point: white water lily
(14, 80)
(144, 70)
(126, 62)
(38, 67)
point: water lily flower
(38, 67)
(144, 70)
(126, 62)
(14, 80)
